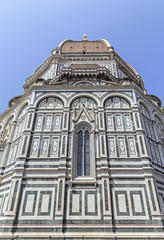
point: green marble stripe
(106, 196)
(162, 172)
(138, 229)
(71, 202)
(40, 185)
(4, 189)
(9, 170)
(19, 165)
(152, 195)
(161, 188)
(131, 179)
(132, 202)
(117, 204)
(25, 202)
(60, 195)
(125, 166)
(137, 146)
(43, 179)
(36, 229)
(127, 146)
(14, 195)
(10, 165)
(127, 185)
(89, 229)
(86, 204)
(42, 160)
(49, 203)
(89, 221)
(1, 198)
(62, 165)
(125, 159)
(42, 166)
(39, 221)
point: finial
(84, 37)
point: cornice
(125, 67)
(84, 88)
(38, 71)
(97, 73)
(87, 57)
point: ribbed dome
(98, 46)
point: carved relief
(45, 146)
(58, 104)
(50, 103)
(39, 122)
(128, 122)
(54, 151)
(132, 148)
(122, 146)
(23, 112)
(124, 104)
(109, 122)
(117, 102)
(42, 104)
(118, 122)
(78, 103)
(112, 147)
(35, 146)
(48, 122)
(57, 122)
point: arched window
(50, 103)
(21, 122)
(144, 111)
(117, 102)
(83, 148)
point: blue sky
(30, 29)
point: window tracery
(21, 122)
(83, 155)
(119, 119)
(83, 101)
(50, 103)
(117, 102)
(152, 131)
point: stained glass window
(83, 157)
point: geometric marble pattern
(82, 151)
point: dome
(98, 46)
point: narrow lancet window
(83, 158)
(86, 155)
(80, 154)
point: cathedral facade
(82, 151)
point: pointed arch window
(83, 152)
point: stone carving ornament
(45, 146)
(35, 146)
(112, 146)
(132, 146)
(122, 147)
(55, 147)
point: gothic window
(116, 121)
(50, 103)
(47, 118)
(144, 111)
(87, 102)
(23, 111)
(146, 122)
(116, 102)
(83, 156)
(7, 129)
(21, 122)
(158, 128)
